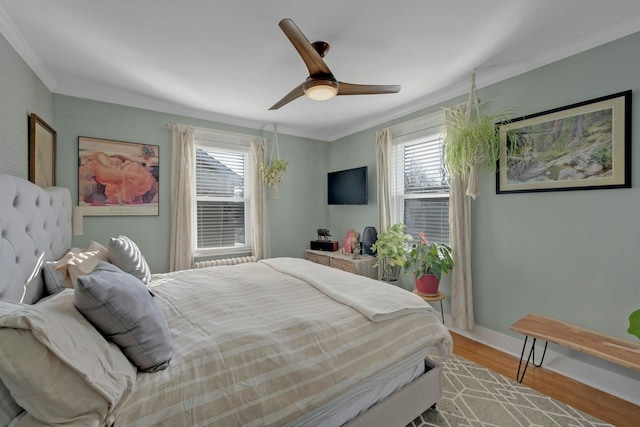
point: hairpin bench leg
(531, 357)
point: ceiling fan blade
(310, 56)
(353, 89)
(295, 93)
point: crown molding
(497, 74)
(15, 39)
(111, 96)
(485, 77)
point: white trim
(497, 74)
(610, 382)
(485, 77)
(429, 126)
(218, 136)
(21, 46)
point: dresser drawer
(318, 259)
(363, 265)
(342, 264)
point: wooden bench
(616, 350)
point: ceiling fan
(321, 83)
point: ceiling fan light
(321, 90)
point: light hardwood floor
(585, 398)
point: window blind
(421, 188)
(222, 198)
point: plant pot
(390, 272)
(428, 285)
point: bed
(279, 342)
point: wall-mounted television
(348, 187)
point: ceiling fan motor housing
(320, 88)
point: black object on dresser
(369, 237)
(324, 245)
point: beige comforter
(257, 347)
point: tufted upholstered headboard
(34, 223)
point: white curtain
(383, 164)
(460, 233)
(182, 190)
(260, 239)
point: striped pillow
(125, 254)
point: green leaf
(634, 323)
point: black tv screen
(348, 187)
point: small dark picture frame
(42, 152)
(583, 146)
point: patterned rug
(476, 396)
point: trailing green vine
(273, 174)
(471, 141)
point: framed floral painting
(117, 178)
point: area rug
(476, 396)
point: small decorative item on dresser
(369, 237)
(323, 234)
(324, 245)
(349, 239)
(355, 248)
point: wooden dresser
(363, 265)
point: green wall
(293, 218)
(569, 255)
(21, 93)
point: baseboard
(594, 376)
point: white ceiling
(228, 61)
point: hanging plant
(273, 174)
(471, 140)
(634, 323)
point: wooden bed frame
(36, 226)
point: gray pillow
(124, 311)
(126, 255)
(53, 279)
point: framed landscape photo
(42, 152)
(117, 178)
(583, 146)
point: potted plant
(429, 261)
(391, 250)
(471, 141)
(634, 323)
(273, 174)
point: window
(420, 186)
(223, 196)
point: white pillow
(125, 254)
(58, 367)
(84, 262)
(63, 274)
